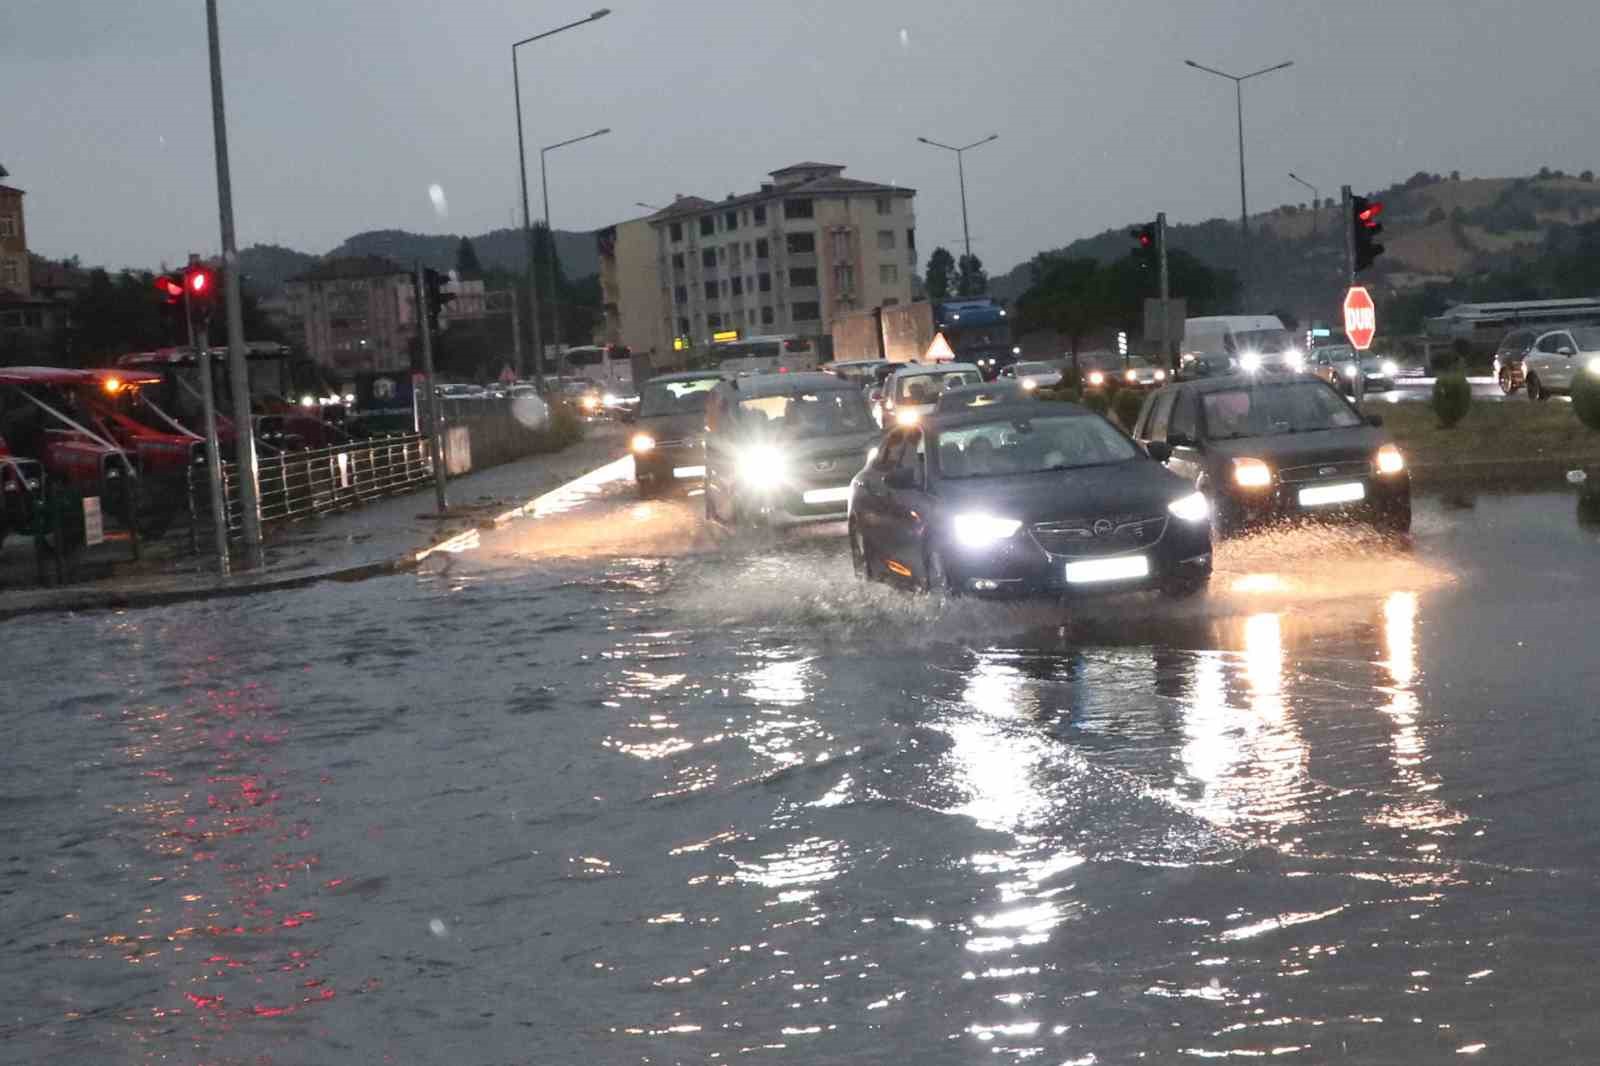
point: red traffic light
(169, 288)
(199, 281)
(1368, 216)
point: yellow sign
(679, 344)
(725, 335)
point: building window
(738, 285)
(730, 220)
(844, 278)
(683, 327)
(733, 252)
(763, 250)
(803, 278)
(708, 225)
(764, 282)
(708, 257)
(890, 301)
(677, 260)
(911, 240)
(801, 243)
(797, 209)
(680, 295)
(807, 311)
(889, 274)
(8, 225)
(10, 273)
(760, 212)
(676, 232)
(885, 205)
(886, 240)
(766, 316)
(747, 251)
(713, 321)
(711, 290)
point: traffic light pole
(435, 421)
(238, 369)
(1358, 385)
(1166, 293)
(208, 401)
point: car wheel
(1536, 389)
(858, 554)
(711, 506)
(647, 487)
(1506, 385)
(935, 578)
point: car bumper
(1019, 568)
(667, 464)
(1381, 498)
(796, 504)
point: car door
(869, 507)
(906, 517)
(1565, 358)
(1541, 361)
(1152, 425)
(1183, 437)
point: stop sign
(1360, 317)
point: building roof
(804, 166)
(829, 184)
(11, 188)
(351, 267)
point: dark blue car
(1026, 499)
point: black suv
(1279, 447)
(1508, 358)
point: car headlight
(1029, 384)
(1390, 368)
(1594, 365)
(308, 401)
(761, 462)
(1250, 362)
(1294, 359)
(1096, 378)
(1390, 461)
(610, 399)
(1350, 371)
(1191, 508)
(1251, 474)
(1161, 375)
(978, 530)
(906, 416)
(1132, 375)
(643, 442)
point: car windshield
(1262, 340)
(1266, 410)
(676, 397)
(1030, 446)
(799, 415)
(1335, 354)
(1588, 339)
(925, 388)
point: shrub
(1586, 398)
(1126, 406)
(1452, 397)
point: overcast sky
(342, 113)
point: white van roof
(1231, 323)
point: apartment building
(359, 313)
(13, 244)
(808, 246)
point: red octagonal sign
(1360, 317)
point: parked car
(1558, 357)
(1514, 347)
(913, 390)
(1338, 364)
(1278, 447)
(668, 442)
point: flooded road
(604, 787)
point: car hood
(807, 448)
(1139, 487)
(1298, 449)
(673, 427)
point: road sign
(1360, 318)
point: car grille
(1325, 471)
(1078, 538)
(679, 442)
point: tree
(1587, 175)
(972, 280)
(941, 270)
(1455, 175)
(1068, 295)
(467, 265)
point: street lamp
(961, 172)
(1316, 201)
(549, 234)
(522, 163)
(1238, 92)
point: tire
(648, 489)
(1536, 389)
(1506, 385)
(711, 508)
(935, 578)
(858, 555)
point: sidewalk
(386, 536)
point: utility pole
(1358, 386)
(435, 418)
(208, 404)
(238, 369)
(1166, 294)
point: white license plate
(838, 495)
(688, 471)
(1325, 495)
(1117, 568)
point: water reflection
(1417, 810)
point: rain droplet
(1576, 477)
(435, 926)
(441, 206)
(905, 38)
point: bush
(1097, 401)
(1127, 406)
(1452, 397)
(1586, 399)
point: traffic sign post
(1361, 326)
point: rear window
(800, 415)
(926, 388)
(676, 397)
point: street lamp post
(1316, 201)
(961, 174)
(549, 234)
(522, 164)
(1238, 93)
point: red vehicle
(83, 428)
(21, 481)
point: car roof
(1001, 412)
(935, 368)
(1003, 391)
(756, 385)
(686, 375)
(1222, 382)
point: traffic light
(1366, 227)
(170, 288)
(434, 296)
(1144, 239)
(200, 282)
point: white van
(1222, 344)
(913, 390)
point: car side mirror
(901, 477)
(1375, 421)
(1159, 450)
(1564, 350)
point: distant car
(1141, 374)
(1559, 357)
(781, 448)
(1034, 375)
(668, 442)
(1509, 359)
(857, 371)
(913, 390)
(1337, 365)
(995, 392)
(1266, 448)
(461, 392)
(1023, 500)
(1105, 370)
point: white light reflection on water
(1418, 811)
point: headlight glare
(1251, 474)
(1350, 371)
(979, 530)
(1096, 378)
(1294, 359)
(1391, 369)
(643, 442)
(1594, 365)
(1389, 460)
(1250, 362)
(1029, 384)
(1191, 508)
(761, 463)
(906, 416)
